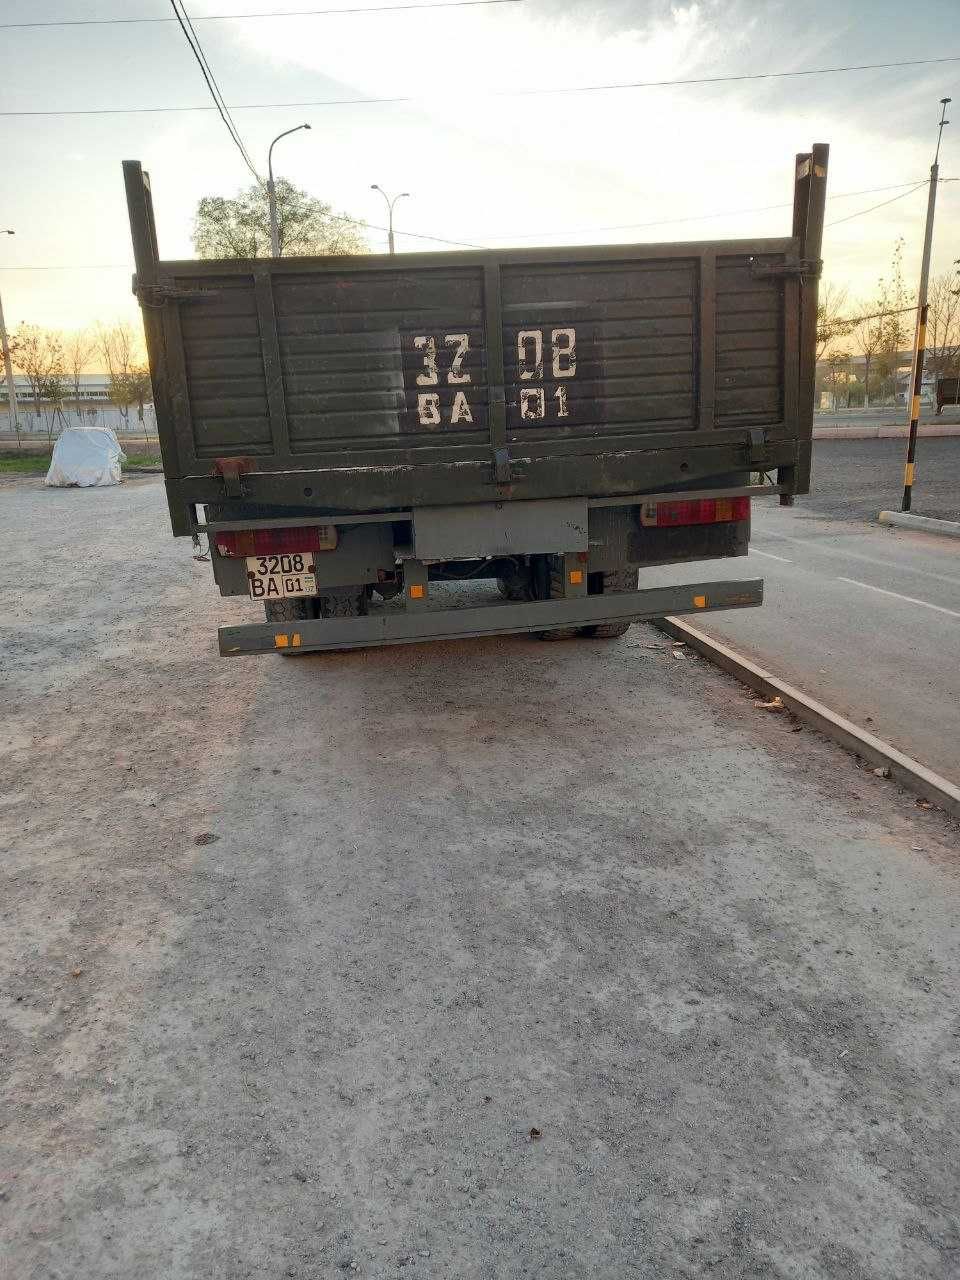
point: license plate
(275, 577)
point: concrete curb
(885, 431)
(909, 773)
(926, 524)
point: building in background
(91, 408)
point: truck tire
(556, 593)
(616, 582)
(292, 609)
(343, 602)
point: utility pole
(390, 203)
(920, 333)
(272, 191)
(8, 370)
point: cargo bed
(369, 383)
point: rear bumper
(420, 624)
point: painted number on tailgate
(448, 350)
(532, 344)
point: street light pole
(272, 191)
(920, 333)
(8, 369)
(390, 203)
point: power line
(356, 222)
(861, 212)
(876, 315)
(183, 18)
(244, 17)
(623, 226)
(504, 93)
(702, 217)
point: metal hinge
(155, 295)
(802, 268)
(501, 466)
(231, 471)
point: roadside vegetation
(862, 344)
(19, 463)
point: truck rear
(354, 433)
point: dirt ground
(481, 960)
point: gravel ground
(855, 479)
(478, 960)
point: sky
(488, 157)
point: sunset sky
(487, 160)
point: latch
(231, 471)
(758, 445)
(501, 466)
(801, 268)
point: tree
(78, 349)
(129, 378)
(832, 322)
(52, 391)
(869, 339)
(943, 325)
(240, 227)
(840, 376)
(38, 354)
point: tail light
(273, 542)
(667, 515)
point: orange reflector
(576, 576)
(700, 601)
(417, 591)
(296, 640)
(281, 641)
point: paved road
(482, 961)
(896, 416)
(855, 479)
(864, 618)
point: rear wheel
(292, 609)
(343, 602)
(617, 582)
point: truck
(383, 449)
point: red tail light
(273, 542)
(665, 515)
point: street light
(8, 366)
(271, 191)
(374, 186)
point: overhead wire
(464, 244)
(501, 93)
(702, 217)
(245, 17)
(190, 35)
(860, 212)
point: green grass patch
(16, 463)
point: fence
(46, 423)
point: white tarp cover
(85, 456)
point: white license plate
(274, 577)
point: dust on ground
(483, 959)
